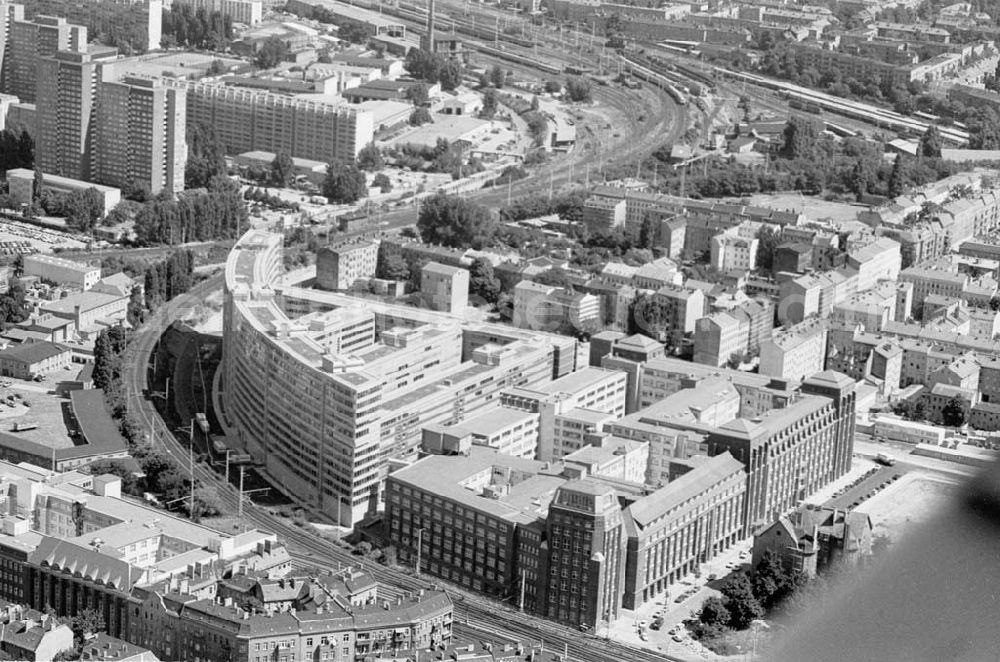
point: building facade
(141, 136)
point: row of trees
(82, 209)
(746, 598)
(452, 221)
(808, 162)
(271, 53)
(161, 473)
(434, 68)
(169, 278)
(17, 150)
(206, 156)
(348, 29)
(216, 213)
(780, 60)
(187, 27)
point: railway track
(306, 548)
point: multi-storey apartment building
(720, 337)
(339, 266)
(248, 120)
(30, 40)
(247, 12)
(331, 418)
(332, 617)
(140, 136)
(672, 313)
(444, 288)
(796, 352)
(67, 91)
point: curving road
(473, 614)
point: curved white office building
(325, 389)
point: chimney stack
(430, 26)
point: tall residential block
(140, 135)
(9, 12)
(247, 120)
(67, 96)
(30, 40)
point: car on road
(680, 598)
(643, 624)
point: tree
(206, 158)
(344, 183)
(136, 311)
(744, 105)
(953, 412)
(370, 158)
(482, 281)
(392, 266)
(108, 350)
(739, 599)
(496, 76)
(282, 169)
(769, 580)
(768, 240)
(38, 184)
(423, 65)
(130, 484)
(272, 52)
(206, 503)
(553, 87)
(87, 622)
(12, 303)
(648, 232)
(489, 104)
(714, 612)
(418, 94)
(420, 116)
(801, 136)
(897, 178)
(455, 222)
(16, 150)
(578, 89)
(382, 181)
(930, 143)
(450, 74)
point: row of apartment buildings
(186, 592)
(93, 120)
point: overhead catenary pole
(240, 516)
(191, 466)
